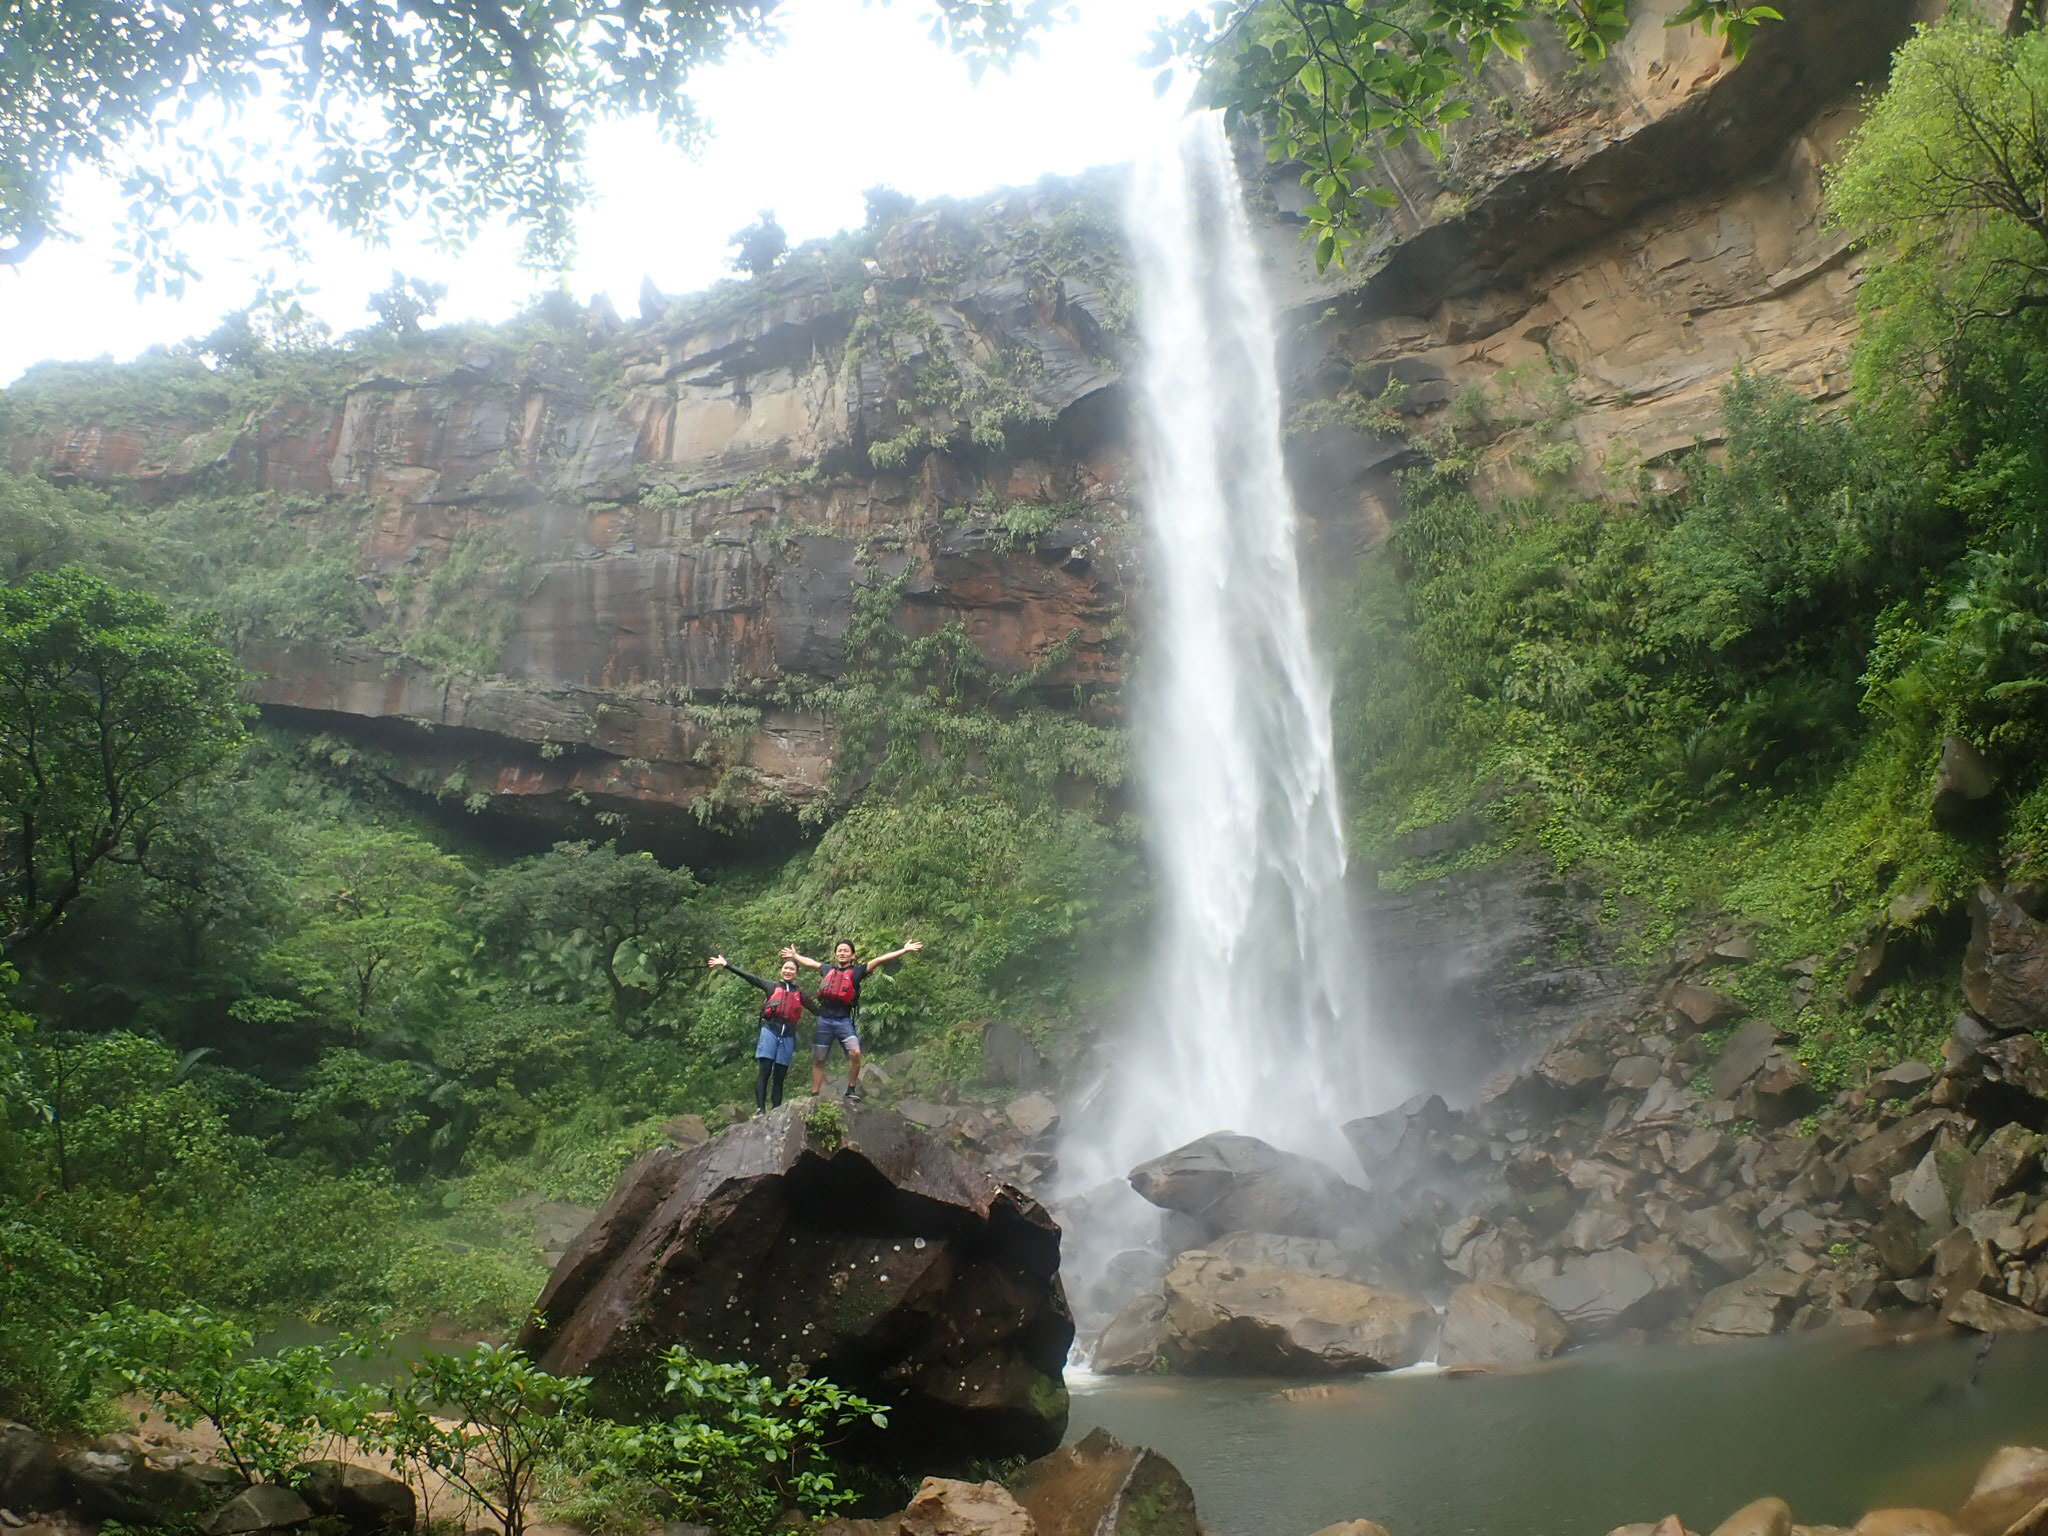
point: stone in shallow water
(1101, 1486)
(1761, 1517)
(1226, 1318)
(1498, 1325)
(2013, 1481)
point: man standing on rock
(838, 998)
(776, 1047)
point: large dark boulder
(30, 1477)
(847, 1244)
(1235, 1183)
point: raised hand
(716, 961)
(789, 951)
(913, 946)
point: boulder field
(1666, 1167)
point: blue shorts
(842, 1030)
(780, 1049)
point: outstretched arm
(720, 963)
(789, 953)
(910, 948)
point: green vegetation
(1333, 88)
(463, 115)
(1729, 700)
(510, 1437)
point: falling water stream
(1255, 1016)
(1256, 1020)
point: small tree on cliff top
(1948, 180)
(759, 246)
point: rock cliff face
(686, 513)
(680, 516)
(672, 534)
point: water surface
(1830, 1422)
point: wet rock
(1873, 1162)
(1598, 1225)
(2013, 1481)
(944, 1507)
(1102, 1487)
(1753, 1307)
(1704, 1007)
(30, 1477)
(1127, 1274)
(264, 1507)
(1987, 1314)
(1962, 784)
(852, 1245)
(1010, 1059)
(1375, 1137)
(1239, 1183)
(1135, 1340)
(1781, 1091)
(1763, 1517)
(125, 1485)
(2005, 966)
(1034, 1115)
(687, 1130)
(1724, 1235)
(1482, 1253)
(367, 1501)
(1920, 1191)
(1739, 950)
(1495, 1325)
(1742, 1057)
(1905, 1522)
(1303, 1255)
(1599, 1294)
(1574, 1071)
(1907, 1080)
(1225, 1318)
(1353, 1528)
(2007, 1156)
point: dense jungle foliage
(1728, 702)
(297, 1047)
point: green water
(1828, 1422)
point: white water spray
(1254, 1020)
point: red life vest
(785, 1003)
(840, 985)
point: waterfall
(1253, 1018)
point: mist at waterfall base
(1254, 1018)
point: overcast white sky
(857, 95)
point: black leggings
(770, 1071)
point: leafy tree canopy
(1948, 180)
(461, 110)
(1329, 84)
(108, 707)
(758, 247)
(582, 909)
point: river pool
(1833, 1422)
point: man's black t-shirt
(828, 1009)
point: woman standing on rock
(776, 1047)
(838, 998)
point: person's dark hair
(850, 945)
